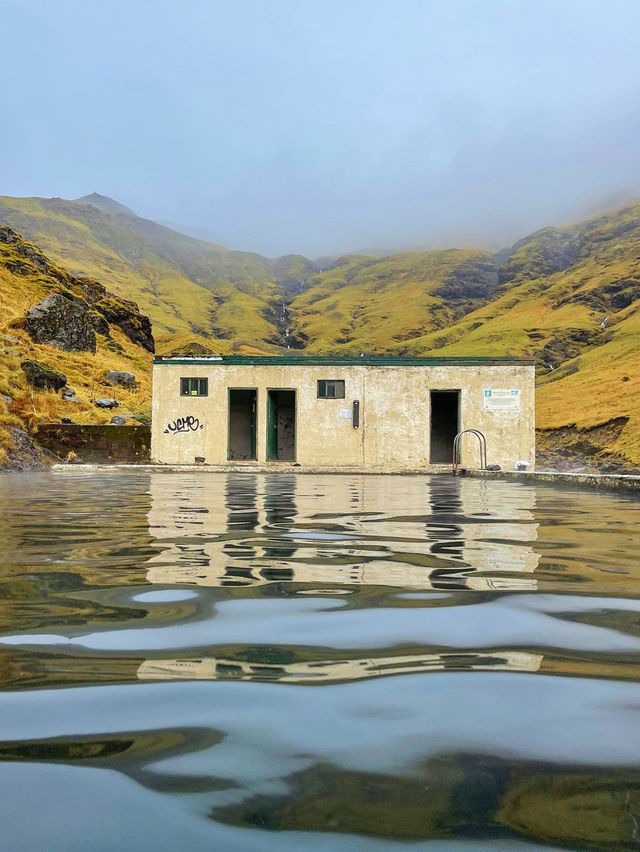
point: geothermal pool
(265, 662)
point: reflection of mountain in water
(449, 795)
(410, 532)
(323, 671)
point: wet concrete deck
(248, 467)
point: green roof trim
(344, 361)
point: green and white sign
(501, 399)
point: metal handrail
(483, 448)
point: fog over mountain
(320, 128)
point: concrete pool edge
(604, 481)
(274, 467)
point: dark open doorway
(242, 424)
(445, 420)
(281, 425)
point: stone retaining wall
(96, 443)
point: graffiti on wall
(183, 424)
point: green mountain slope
(184, 284)
(374, 304)
(188, 286)
(568, 296)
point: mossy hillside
(293, 271)
(184, 284)
(26, 277)
(588, 375)
(543, 253)
(370, 304)
(600, 385)
(191, 287)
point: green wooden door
(272, 427)
(254, 417)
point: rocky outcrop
(77, 309)
(42, 376)
(567, 343)
(120, 377)
(111, 309)
(98, 323)
(543, 253)
(476, 278)
(589, 450)
(69, 321)
(27, 257)
(24, 453)
(127, 317)
(62, 322)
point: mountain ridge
(186, 285)
(569, 296)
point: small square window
(330, 389)
(194, 387)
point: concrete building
(367, 413)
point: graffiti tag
(183, 424)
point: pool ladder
(482, 441)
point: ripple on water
(295, 661)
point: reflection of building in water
(215, 668)
(410, 532)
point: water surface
(205, 661)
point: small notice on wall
(345, 414)
(501, 400)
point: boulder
(117, 420)
(106, 403)
(61, 322)
(42, 376)
(120, 377)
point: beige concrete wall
(394, 413)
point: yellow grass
(84, 371)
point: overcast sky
(321, 126)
